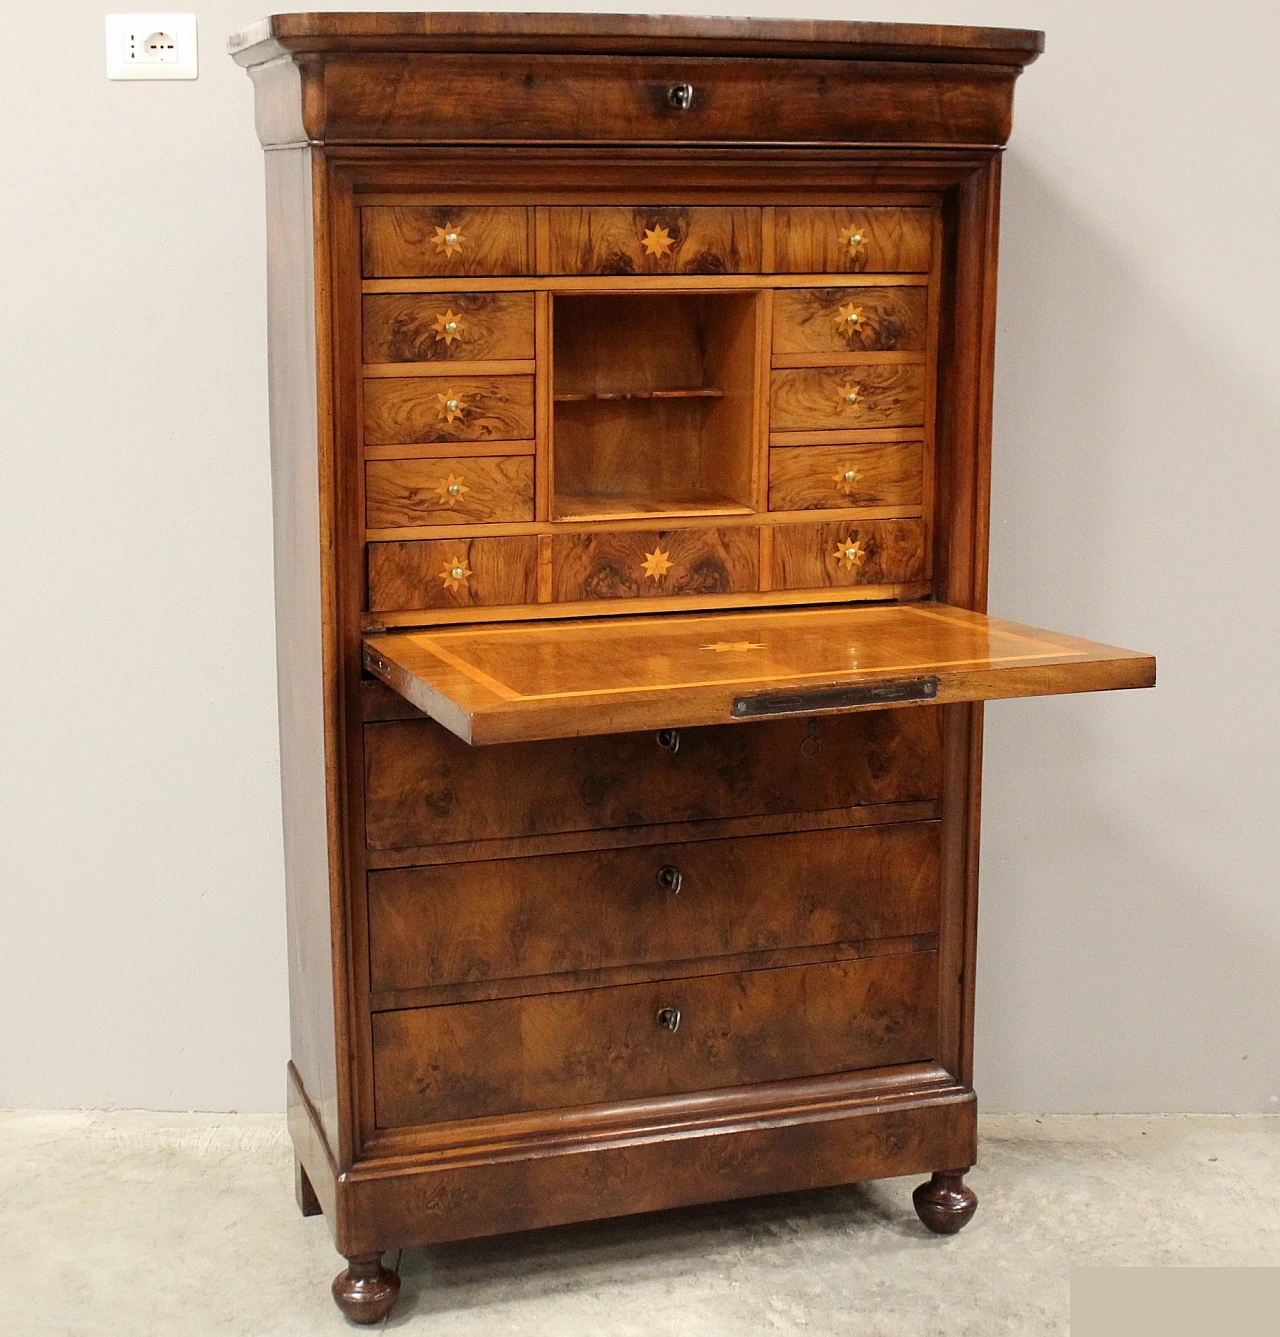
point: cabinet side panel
(296, 452)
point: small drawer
(844, 552)
(410, 410)
(447, 326)
(453, 573)
(844, 240)
(504, 919)
(654, 563)
(832, 398)
(419, 241)
(424, 786)
(849, 320)
(482, 488)
(593, 1045)
(653, 240)
(806, 478)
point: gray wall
(1130, 939)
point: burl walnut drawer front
(593, 1045)
(849, 320)
(843, 240)
(831, 398)
(481, 488)
(447, 326)
(413, 241)
(653, 240)
(505, 918)
(844, 552)
(419, 410)
(628, 565)
(425, 786)
(803, 478)
(627, 98)
(452, 573)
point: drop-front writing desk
(630, 403)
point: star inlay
(726, 647)
(849, 395)
(448, 240)
(452, 405)
(656, 564)
(455, 572)
(451, 489)
(849, 319)
(448, 327)
(845, 479)
(849, 554)
(851, 237)
(656, 241)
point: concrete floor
(185, 1225)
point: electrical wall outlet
(151, 46)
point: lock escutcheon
(680, 96)
(670, 879)
(669, 1018)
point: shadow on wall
(1130, 938)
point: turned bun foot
(366, 1291)
(944, 1203)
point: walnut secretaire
(630, 409)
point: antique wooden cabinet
(630, 406)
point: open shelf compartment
(654, 404)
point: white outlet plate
(151, 46)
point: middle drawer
(507, 918)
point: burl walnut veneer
(630, 413)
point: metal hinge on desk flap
(375, 663)
(835, 698)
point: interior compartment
(655, 401)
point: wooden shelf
(636, 507)
(701, 393)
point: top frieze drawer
(488, 98)
(417, 241)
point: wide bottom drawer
(599, 1045)
(505, 918)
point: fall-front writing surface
(510, 682)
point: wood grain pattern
(381, 99)
(634, 564)
(424, 786)
(888, 551)
(456, 923)
(653, 240)
(594, 1045)
(409, 327)
(838, 320)
(409, 409)
(668, 34)
(419, 574)
(448, 491)
(517, 683)
(817, 398)
(408, 241)
(817, 240)
(805, 478)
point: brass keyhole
(669, 1018)
(670, 879)
(668, 740)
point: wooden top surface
(503, 683)
(632, 34)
